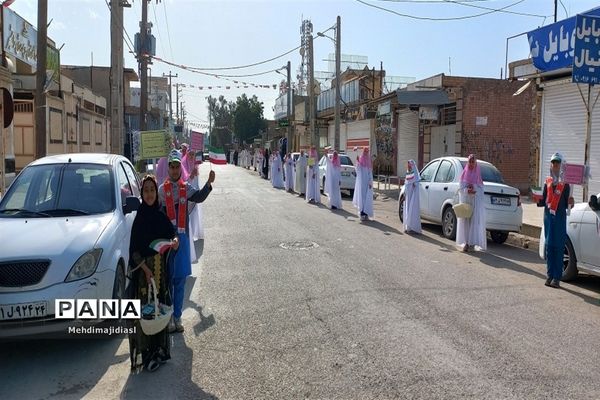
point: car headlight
(85, 265)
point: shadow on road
(386, 229)
(70, 368)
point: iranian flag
(216, 155)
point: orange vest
(553, 195)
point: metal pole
(116, 78)
(311, 93)
(2, 150)
(143, 58)
(336, 109)
(289, 107)
(40, 96)
(588, 139)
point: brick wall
(497, 126)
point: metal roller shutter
(408, 139)
(563, 130)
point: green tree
(248, 118)
(221, 114)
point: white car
(583, 240)
(438, 192)
(348, 171)
(65, 225)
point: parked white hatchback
(65, 225)
(348, 172)
(583, 240)
(438, 192)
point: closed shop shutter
(563, 130)
(408, 139)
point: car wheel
(569, 262)
(401, 208)
(119, 285)
(449, 223)
(499, 236)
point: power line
(462, 3)
(191, 69)
(157, 28)
(248, 65)
(440, 19)
(168, 32)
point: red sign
(574, 174)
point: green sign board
(154, 144)
(283, 123)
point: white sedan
(348, 171)
(438, 192)
(65, 225)
(583, 240)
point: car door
(440, 189)
(589, 238)
(427, 175)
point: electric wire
(439, 19)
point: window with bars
(448, 114)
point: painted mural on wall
(495, 151)
(384, 142)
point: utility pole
(143, 60)
(555, 9)
(290, 97)
(338, 56)
(40, 73)
(177, 102)
(311, 93)
(170, 97)
(117, 119)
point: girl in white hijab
(411, 212)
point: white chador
(412, 207)
(195, 220)
(289, 173)
(471, 231)
(300, 174)
(363, 188)
(313, 192)
(333, 177)
(277, 172)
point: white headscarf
(412, 174)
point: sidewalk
(532, 217)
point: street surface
(293, 301)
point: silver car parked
(65, 225)
(438, 192)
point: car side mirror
(593, 203)
(132, 204)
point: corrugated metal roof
(423, 97)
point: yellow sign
(154, 144)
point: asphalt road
(293, 301)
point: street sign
(282, 123)
(586, 59)
(153, 144)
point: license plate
(501, 201)
(345, 173)
(23, 310)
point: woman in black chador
(150, 224)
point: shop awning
(423, 97)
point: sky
(227, 33)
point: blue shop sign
(586, 64)
(552, 47)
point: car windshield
(344, 160)
(56, 190)
(489, 173)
